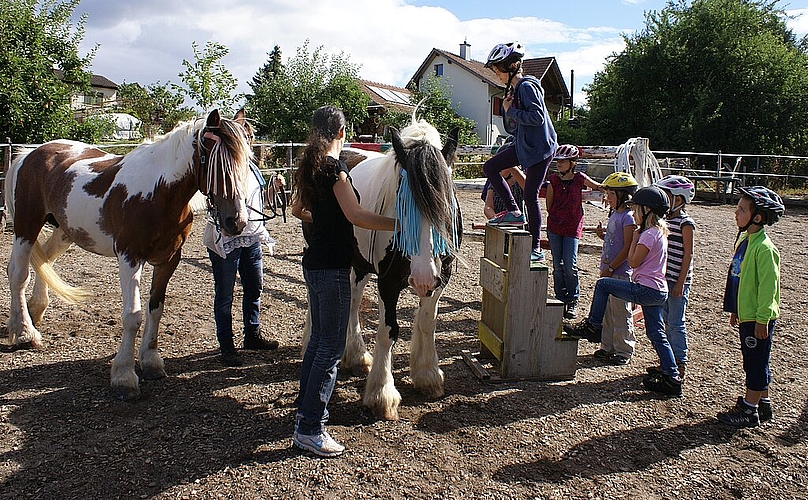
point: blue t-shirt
(734, 279)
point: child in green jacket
(752, 297)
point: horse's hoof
(153, 373)
(431, 392)
(24, 346)
(126, 393)
(391, 415)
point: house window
(439, 70)
(93, 98)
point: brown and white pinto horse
(413, 184)
(133, 207)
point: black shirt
(332, 242)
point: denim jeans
(651, 301)
(565, 267)
(248, 262)
(330, 303)
(673, 313)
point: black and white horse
(413, 184)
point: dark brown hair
(326, 123)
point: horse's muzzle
(422, 289)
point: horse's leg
(356, 357)
(20, 327)
(381, 395)
(151, 364)
(123, 378)
(427, 377)
(57, 244)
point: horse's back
(63, 181)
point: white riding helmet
(505, 53)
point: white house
(477, 93)
(102, 95)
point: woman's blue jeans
(651, 301)
(673, 313)
(565, 267)
(248, 262)
(330, 303)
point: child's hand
(599, 230)
(605, 273)
(733, 320)
(678, 289)
(761, 331)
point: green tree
(285, 95)
(157, 106)
(269, 70)
(207, 81)
(573, 130)
(713, 75)
(36, 37)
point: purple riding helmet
(678, 185)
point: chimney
(465, 51)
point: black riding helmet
(766, 202)
(653, 198)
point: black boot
(254, 341)
(230, 357)
(584, 330)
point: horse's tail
(46, 272)
(11, 180)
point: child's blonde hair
(651, 219)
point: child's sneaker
(764, 410)
(741, 415)
(584, 330)
(682, 367)
(320, 444)
(619, 360)
(663, 384)
(536, 256)
(507, 218)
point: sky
(145, 41)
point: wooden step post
(519, 325)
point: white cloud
(799, 21)
(389, 40)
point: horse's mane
(430, 179)
(226, 173)
(174, 149)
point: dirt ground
(207, 431)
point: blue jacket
(535, 135)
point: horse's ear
(213, 119)
(241, 117)
(398, 145)
(450, 147)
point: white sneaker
(320, 444)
